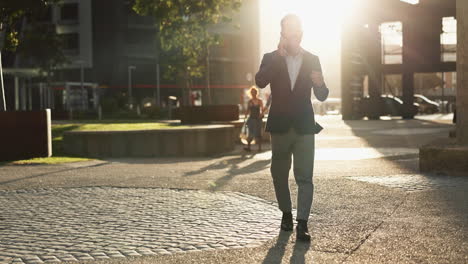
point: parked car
(388, 105)
(426, 106)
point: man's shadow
(298, 255)
(276, 253)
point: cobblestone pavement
(90, 223)
(416, 182)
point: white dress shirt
(294, 64)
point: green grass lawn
(58, 155)
(113, 126)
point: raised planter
(208, 113)
(183, 142)
(238, 127)
(444, 155)
(25, 134)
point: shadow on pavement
(398, 134)
(298, 255)
(234, 170)
(232, 164)
(369, 130)
(275, 254)
(48, 173)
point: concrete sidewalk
(375, 208)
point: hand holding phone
(282, 47)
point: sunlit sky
(321, 23)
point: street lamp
(130, 103)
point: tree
(14, 12)
(184, 31)
(24, 31)
(42, 46)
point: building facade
(111, 53)
(391, 47)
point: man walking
(292, 73)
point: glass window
(46, 16)
(392, 42)
(448, 39)
(392, 84)
(71, 41)
(69, 11)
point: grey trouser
(302, 148)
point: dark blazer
(291, 108)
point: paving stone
(77, 224)
(116, 256)
(148, 253)
(101, 257)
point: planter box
(25, 134)
(208, 113)
(238, 127)
(183, 142)
(444, 156)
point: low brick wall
(184, 142)
(25, 134)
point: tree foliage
(13, 10)
(42, 46)
(28, 34)
(184, 30)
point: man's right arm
(267, 70)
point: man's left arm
(320, 88)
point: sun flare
(322, 22)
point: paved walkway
(371, 205)
(71, 224)
(331, 154)
(416, 182)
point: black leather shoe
(302, 232)
(287, 222)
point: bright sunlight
(322, 30)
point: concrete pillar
(462, 72)
(374, 59)
(41, 96)
(17, 94)
(346, 48)
(408, 92)
(68, 93)
(30, 91)
(22, 95)
(409, 58)
(451, 156)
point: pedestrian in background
(254, 121)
